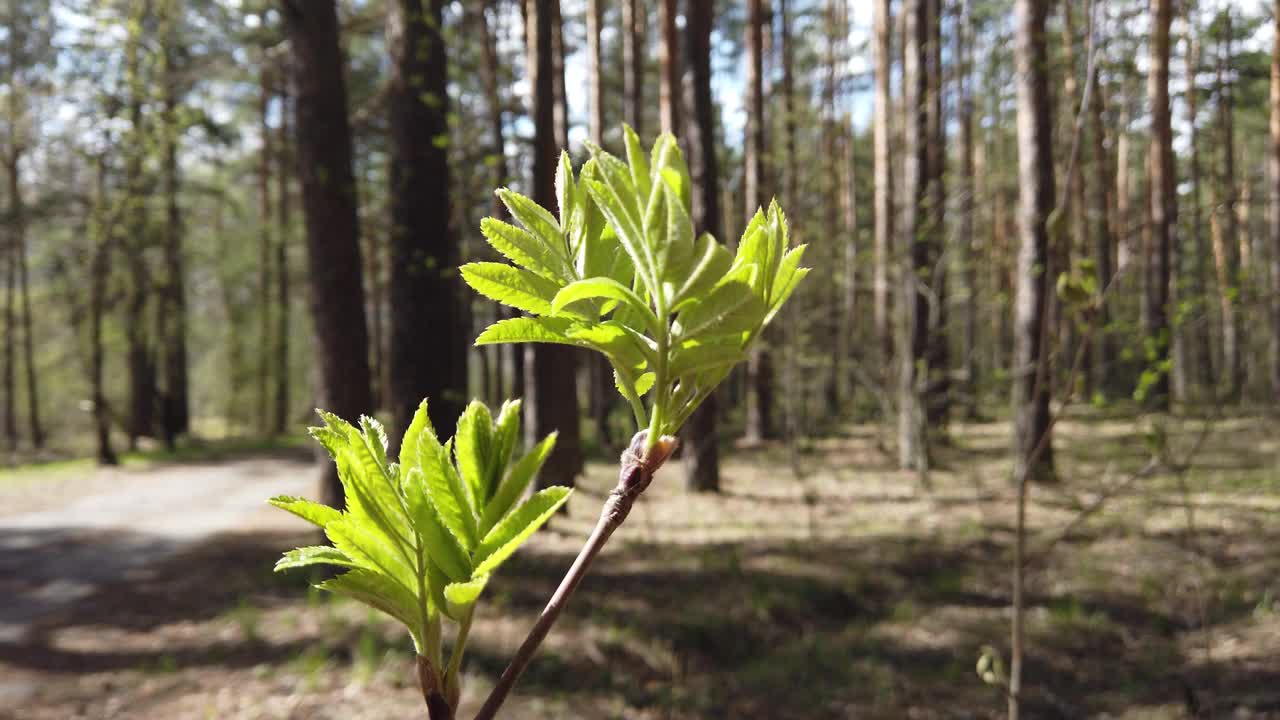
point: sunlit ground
(821, 584)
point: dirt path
(69, 537)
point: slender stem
(661, 393)
(438, 707)
(459, 646)
(432, 637)
(639, 462)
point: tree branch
(637, 468)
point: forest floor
(821, 583)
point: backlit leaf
(313, 512)
(512, 286)
(515, 483)
(508, 535)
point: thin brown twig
(1023, 468)
(639, 463)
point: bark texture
(913, 306)
(428, 351)
(329, 208)
(1164, 198)
(669, 109)
(1036, 196)
(1274, 191)
(551, 395)
(883, 134)
(759, 398)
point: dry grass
(821, 584)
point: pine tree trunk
(1273, 157)
(28, 341)
(228, 284)
(558, 53)
(176, 419)
(669, 62)
(595, 80)
(1103, 239)
(1199, 287)
(1000, 275)
(759, 396)
(1163, 189)
(10, 345)
(17, 247)
(1225, 235)
(1035, 179)
(375, 252)
(324, 148)
(428, 350)
(284, 231)
(966, 193)
(884, 210)
(701, 453)
(847, 330)
(832, 140)
(99, 276)
(142, 385)
(633, 32)
(1247, 296)
(498, 152)
(1073, 241)
(794, 390)
(1125, 255)
(551, 396)
(265, 249)
(913, 310)
(937, 389)
(602, 395)
(17, 222)
(1032, 443)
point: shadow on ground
(755, 629)
(1133, 615)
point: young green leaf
(607, 288)
(713, 262)
(506, 536)
(524, 249)
(411, 445)
(527, 329)
(624, 346)
(696, 356)
(372, 496)
(637, 161)
(732, 307)
(370, 549)
(473, 447)
(512, 286)
(505, 434)
(627, 226)
(451, 498)
(381, 593)
(374, 438)
(536, 220)
(314, 555)
(313, 512)
(409, 528)
(515, 482)
(678, 312)
(460, 596)
(443, 545)
(675, 256)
